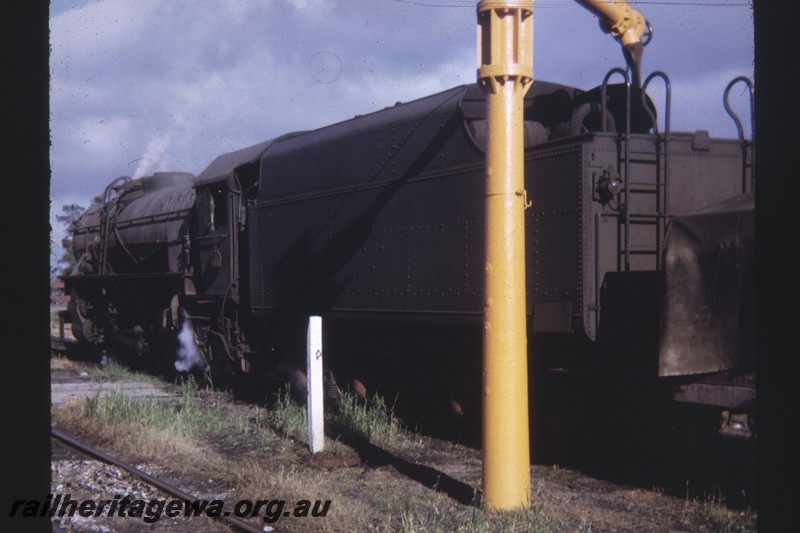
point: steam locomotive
(639, 249)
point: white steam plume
(189, 355)
(152, 154)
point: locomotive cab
(213, 242)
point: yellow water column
(505, 48)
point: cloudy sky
(140, 86)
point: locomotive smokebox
(142, 228)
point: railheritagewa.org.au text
(151, 511)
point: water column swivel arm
(628, 26)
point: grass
(184, 419)
(152, 426)
(262, 453)
(287, 416)
(714, 514)
(370, 418)
(118, 371)
(434, 514)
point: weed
(115, 370)
(147, 420)
(712, 513)
(369, 418)
(287, 416)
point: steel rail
(239, 525)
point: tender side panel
(411, 246)
(553, 238)
(416, 245)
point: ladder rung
(650, 217)
(641, 250)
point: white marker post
(316, 427)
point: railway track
(89, 451)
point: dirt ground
(417, 483)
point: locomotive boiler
(639, 248)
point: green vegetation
(431, 516)
(366, 417)
(185, 419)
(715, 515)
(149, 425)
(69, 215)
(287, 416)
(256, 452)
(370, 418)
(114, 370)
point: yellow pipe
(626, 25)
(505, 47)
(618, 18)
